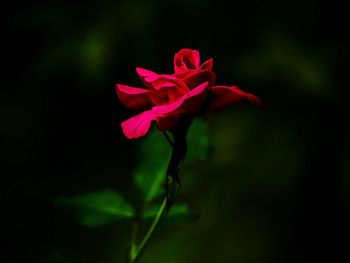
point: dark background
(276, 187)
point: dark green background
(275, 187)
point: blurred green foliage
(98, 208)
(198, 142)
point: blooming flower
(189, 91)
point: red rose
(189, 91)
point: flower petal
(186, 59)
(194, 79)
(138, 125)
(133, 98)
(222, 96)
(166, 116)
(158, 81)
(167, 95)
(166, 81)
(146, 75)
(208, 65)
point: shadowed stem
(136, 252)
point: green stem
(136, 253)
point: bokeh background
(275, 185)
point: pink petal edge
(208, 65)
(223, 96)
(138, 125)
(133, 98)
(167, 115)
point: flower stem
(178, 144)
(137, 252)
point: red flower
(189, 91)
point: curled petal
(208, 65)
(251, 98)
(165, 96)
(149, 76)
(186, 59)
(158, 81)
(166, 116)
(138, 125)
(222, 96)
(133, 98)
(194, 79)
(146, 75)
(163, 88)
(166, 81)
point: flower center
(189, 64)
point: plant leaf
(150, 174)
(97, 209)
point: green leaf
(97, 209)
(178, 214)
(198, 141)
(154, 153)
